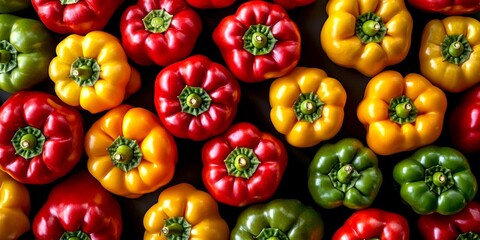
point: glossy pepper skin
(78, 207)
(75, 16)
(258, 42)
(462, 225)
(26, 48)
(291, 4)
(159, 32)
(41, 138)
(14, 207)
(210, 4)
(447, 7)
(184, 213)
(373, 223)
(307, 106)
(464, 122)
(92, 72)
(401, 113)
(244, 165)
(366, 35)
(196, 98)
(129, 152)
(278, 219)
(449, 53)
(346, 174)
(435, 179)
(9, 6)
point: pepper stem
(157, 21)
(370, 28)
(77, 235)
(194, 100)
(85, 71)
(271, 234)
(345, 173)
(456, 49)
(8, 57)
(468, 236)
(172, 229)
(241, 162)
(125, 153)
(259, 40)
(308, 107)
(66, 2)
(438, 179)
(5, 56)
(176, 228)
(343, 177)
(402, 110)
(28, 142)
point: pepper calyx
(241, 162)
(125, 153)
(8, 57)
(194, 100)
(28, 142)
(157, 21)
(176, 228)
(343, 176)
(271, 234)
(259, 40)
(85, 71)
(308, 107)
(402, 110)
(438, 179)
(456, 49)
(77, 235)
(370, 28)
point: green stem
(85, 71)
(157, 21)
(172, 229)
(468, 236)
(259, 40)
(176, 228)
(308, 107)
(241, 162)
(345, 173)
(438, 179)
(77, 235)
(194, 100)
(28, 142)
(343, 177)
(66, 2)
(5, 56)
(402, 110)
(271, 234)
(456, 49)
(370, 28)
(8, 57)
(125, 153)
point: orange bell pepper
(14, 208)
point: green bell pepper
(345, 173)
(9, 6)
(282, 219)
(435, 179)
(26, 49)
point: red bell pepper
(259, 41)
(447, 7)
(462, 225)
(75, 16)
(41, 138)
(159, 31)
(291, 4)
(464, 122)
(209, 4)
(244, 165)
(196, 98)
(78, 208)
(373, 223)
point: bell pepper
(401, 113)
(129, 152)
(75, 16)
(462, 225)
(14, 207)
(159, 32)
(447, 7)
(26, 48)
(291, 4)
(244, 165)
(196, 98)
(78, 207)
(92, 72)
(307, 106)
(449, 55)
(435, 179)
(258, 42)
(182, 213)
(278, 219)
(464, 122)
(344, 174)
(9, 6)
(373, 223)
(366, 35)
(210, 4)
(41, 138)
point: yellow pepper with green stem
(14, 208)
(366, 35)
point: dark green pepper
(436, 179)
(280, 219)
(345, 173)
(9, 6)
(26, 49)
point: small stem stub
(468, 236)
(370, 28)
(241, 162)
(85, 71)
(402, 110)
(439, 179)
(157, 21)
(77, 235)
(308, 107)
(8, 57)
(194, 100)
(343, 176)
(176, 228)
(456, 49)
(271, 234)
(259, 40)
(28, 142)
(125, 153)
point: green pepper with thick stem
(26, 49)
(279, 219)
(345, 173)
(436, 179)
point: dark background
(254, 108)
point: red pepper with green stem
(447, 7)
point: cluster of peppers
(132, 151)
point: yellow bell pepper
(129, 152)
(450, 53)
(366, 35)
(14, 208)
(307, 106)
(184, 213)
(92, 72)
(401, 114)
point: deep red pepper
(373, 223)
(447, 7)
(464, 122)
(75, 16)
(196, 98)
(208, 4)
(259, 41)
(41, 138)
(78, 208)
(462, 225)
(159, 31)
(244, 165)
(291, 4)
